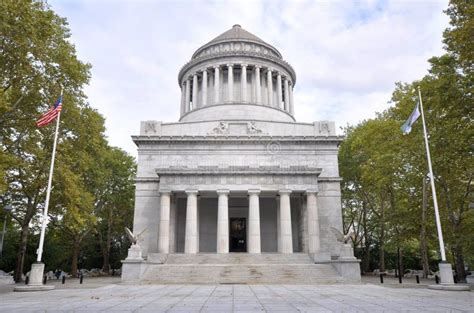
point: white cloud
(347, 54)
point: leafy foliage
(37, 61)
(385, 171)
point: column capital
(254, 191)
(216, 66)
(311, 191)
(269, 69)
(230, 64)
(222, 191)
(165, 192)
(284, 191)
(257, 66)
(192, 192)
(204, 70)
(244, 65)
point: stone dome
(237, 34)
(237, 76)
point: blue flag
(406, 127)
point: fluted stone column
(270, 87)
(290, 88)
(313, 222)
(216, 85)
(279, 93)
(164, 232)
(183, 97)
(254, 245)
(287, 95)
(278, 224)
(230, 81)
(285, 222)
(190, 237)
(188, 95)
(223, 221)
(204, 87)
(173, 222)
(195, 91)
(258, 88)
(243, 83)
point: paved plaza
(109, 295)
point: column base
(35, 280)
(447, 280)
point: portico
(184, 213)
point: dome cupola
(237, 76)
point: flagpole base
(447, 280)
(35, 282)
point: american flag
(52, 113)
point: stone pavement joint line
(239, 298)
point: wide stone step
(231, 258)
(241, 274)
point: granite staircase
(238, 268)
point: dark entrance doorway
(238, 234)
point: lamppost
(8, 208)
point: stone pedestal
(135, 253)
(35, 282)
(132, 265)
(347, 252)
(447, 280)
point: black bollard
(27, 279)
(81, 278)
(45, 279)
(455, 279)
(381, 278)
(399, 279)
(64, 279)
(417, 279)
(436, 279)
(113, 272)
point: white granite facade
(237, 152)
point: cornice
(239, 170)
(237, 139)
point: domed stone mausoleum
(237, 191)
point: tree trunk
(401, 270)
(75, 256)
(107, 246)
(20, 257)
(366, 258)
(459, 257)
(381, 240)
(423, 241)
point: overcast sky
(347, 54)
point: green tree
(114, 201)
(36, 61)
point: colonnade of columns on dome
(240, 83)
(284, 224)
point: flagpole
(48, 190)
(433, 190)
